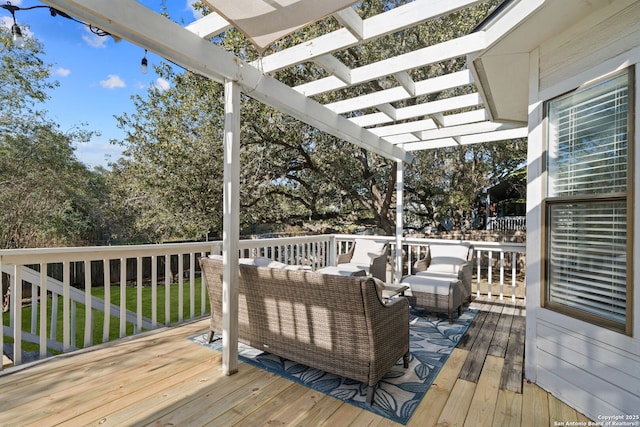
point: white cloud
(62, 72)
(6, 22)
(113, 81)
(162, 84)
(94, 40)
(196, 13)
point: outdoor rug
(399, 392)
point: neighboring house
(503, 205)
(569, 69)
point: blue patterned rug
(399, 392)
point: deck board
(480, 348)
(514, 358)
(160, 378)
(484, 400)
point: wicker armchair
(448, 259)
(367, 255)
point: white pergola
(389, 131)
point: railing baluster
(489, 271)
(88, 315)
(123, 297)
(180, 287)
(479, 270)
(43, 310)
(167, 289)
(513, 276)
(154, 290)
(501, 275)
(106, 326)
(138, 326)
(16, 313)
(66, 306)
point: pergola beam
(454, 48)
(210, 25)
(389, 22)
(398, 93)
(499, 135)
(413, 111)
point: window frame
(550, 201)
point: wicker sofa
(338, 324)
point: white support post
(231, 227)
(399, 225)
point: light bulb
(18, 40)
(143, 64)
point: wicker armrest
(421, 265)
(344, 258)
(378, 267)
(391, 339)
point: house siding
(594, 40)
(591, 368)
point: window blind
(588, 140)
(587, 174)
(587, 257)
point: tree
(47, 196)
(168, 182)
(290, 173)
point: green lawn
(114, 323)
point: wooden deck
(160, 378)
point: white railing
(507, 223)
(168, 277)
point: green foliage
(48, 197)
(169, 183)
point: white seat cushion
(448, 258)
(365, 249)
(431, 285)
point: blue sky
(97, 76)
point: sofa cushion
(261, 261)
(431, 285)
(366, 249)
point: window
(588, 207)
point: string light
(16, 32)
(144, 63)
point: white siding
(593, 369)
(596, 39)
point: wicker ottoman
(435, 294)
